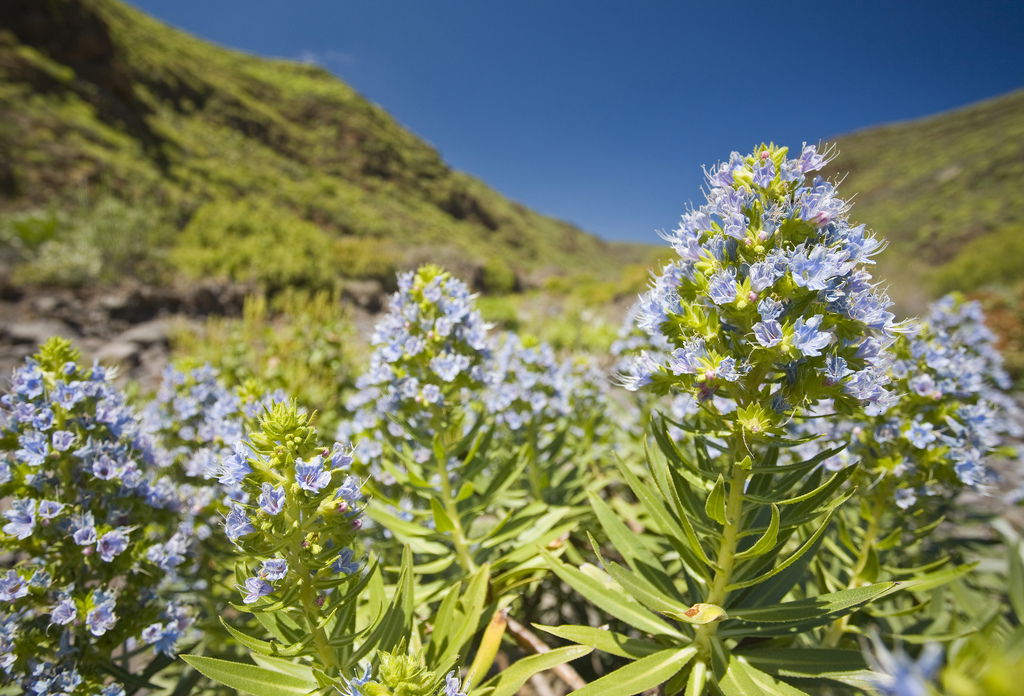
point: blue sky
(603, 112)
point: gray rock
(121, 352)
(36, 331)
(155, 331)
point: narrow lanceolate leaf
(604, 640)
(715, 504)
(767, 540)
(1016, 586)
(249, 678)
(741, 679)
(815, 607)
(610, 598)
(509, 680)
(294, 669)
(845, 666)
(637, 677)
(789, 561)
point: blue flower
(344, 563)
(22, 516)
(64, 612)
(769, 308)
(452, 685)
(768, 333)
(311, 475)
(271, 499)
(34, 446)
(62, 440)
(112, 544)
(808, 339)
(921, 434)
(12, 587)
(48, 509)
(237, 523)
(722, 288)
(255, 588)
(235, 466)
(274, 569)
(101, 618)
(905, 498)
(894, 673)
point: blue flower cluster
(770, 289)
(303, 509)
(92, 526)
(429, 353)
(950, 415)
(200, 424)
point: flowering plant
(95, 532)
(768, 313)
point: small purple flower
(808, 339)
(235, 466)
(255, 588)
(34, 446)
(768, 333)
(722, 288)
(345, 563)
(311, 475)
(112, 544)
(12, 587)
(62, 440)
(921, 434)
(22, 516)
(452, 685)
(905, 498)
(64, 612)
(431, 394)
(769, 308)
(237, 523)
(349, 491)
(341, 456)
(274, 569)
(271, 499)
(48, 509)
(101, 618)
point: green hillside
(130, 148)
(947, 192)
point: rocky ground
(132, 326)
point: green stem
(838, 627)
(458, 533)
(727, 548)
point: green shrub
(106, 242)
(300, 342)
(257, 242)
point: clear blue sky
(603, 112)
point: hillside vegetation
(130, 148)
(946, 191)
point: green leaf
(610, 598)
(697, 680)
(294, 669)
(815, 607)
(789, 561)
(714, 506)
(741, 679)
(623, 539)
(767, 540)
(262, 646)
(846, 666)
(604, 640)
(679, 528)
(509, 680)
(442, 522)
(1016, 581)
(641, 675)
(249, 678)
